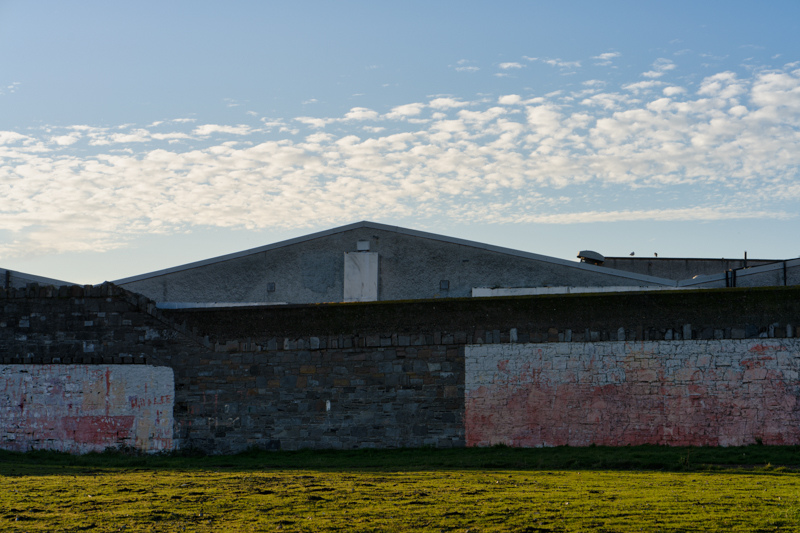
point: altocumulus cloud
(729, 147)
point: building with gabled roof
(367, 261)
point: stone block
(687, 332)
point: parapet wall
(391, 374)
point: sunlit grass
(254, 492)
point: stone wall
(699, 393)
(86, 408)
(320, 395)
(390, 374)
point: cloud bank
(727, 147)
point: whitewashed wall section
(704, 392)
(84, 408)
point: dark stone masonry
(383, 374)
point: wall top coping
(402, 231)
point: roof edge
(35, 279)
(405, 231)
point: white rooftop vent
(593, 258)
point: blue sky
(139, 136)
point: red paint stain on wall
(632, 397)
(82, 408)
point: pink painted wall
(715, 392)
(83, 408)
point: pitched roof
(404, 231)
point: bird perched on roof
(631, 254)
(655, 254)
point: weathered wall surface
(714, 392)
(381, 374)
(410, 267)
(83, 408)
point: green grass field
(646, 488)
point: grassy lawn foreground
(425, 490)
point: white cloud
(66, 140)
(563, 64)
(723, 85)
(446, 103)
(673, 90)
(464, 66)
(506, 66)
(607, 100)
(605, 59)
(642, 86)
(693, 214)
(728, 150)
(607, 55)
(660, 66)
(405, 111)
(509, 99)
(208, 129)
(315, 122)
(361, 113)
(8, 137)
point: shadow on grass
(648, 458)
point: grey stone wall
(326, 397)
(344, 392)
(349, 375)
